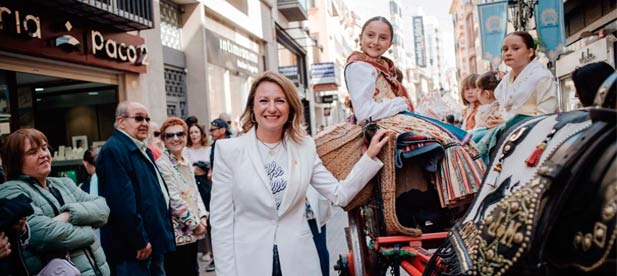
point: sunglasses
(213, 129)
(139, 118)
(157, 133)
(180, 134)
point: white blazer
(245, 221)
(321, 206)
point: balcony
(116, 15)
(293, 10)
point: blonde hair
(295, 126)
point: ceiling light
(39, 89)
(93, 93)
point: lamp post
(521, 11)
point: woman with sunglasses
(189, 215)
(64, 216)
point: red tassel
(533, 160)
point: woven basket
(340, 148)
(389, 193)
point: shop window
(175, 89)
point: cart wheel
(363, 261)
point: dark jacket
(139, 214)
(11, 211)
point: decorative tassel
(534, 158)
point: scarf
(512, 95)
(387, 70)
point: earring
(253, 120)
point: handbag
(60, 267)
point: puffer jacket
(50, 238)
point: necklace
(271, 149)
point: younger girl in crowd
(489, 106)
(469, 92)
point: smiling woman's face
(271, 107)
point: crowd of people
(156, 198)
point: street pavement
(335, 236)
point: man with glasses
(139, 231)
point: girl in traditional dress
(529, 88)
(378, 97)
(489, 106)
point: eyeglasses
(139, 118)
(177, 134)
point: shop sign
(40, 33)
(119, 51)
(291, 72)
(328, 98)
(231, 55)
(594, 52)
(324, 73)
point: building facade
(591, 30)
(64, 66)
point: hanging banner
(492, 30)
(550, 26)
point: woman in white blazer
(259, 185)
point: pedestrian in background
(189, 215)
(154, 140)
(198, 150)
(139, 232)
(91, 182)
(318, 212)
(587, 79)
(260, 181)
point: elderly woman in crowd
(189, 215)
(64, 216)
